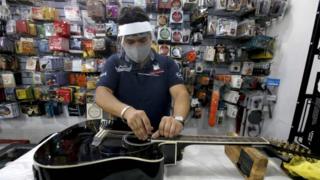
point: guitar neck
(214, 140)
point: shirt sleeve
(109, 77)
(174, 75)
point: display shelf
(10, 101)
(199, 25)
(243, 38)
(19, 2)
(235, 104)
(7, 53)
(76, 51)
(231, 14)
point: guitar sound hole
(131, 141)
(128, 144)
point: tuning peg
(297, 148)
(292, 146)
(302, 150)
(276, 143)
(309, 159)
(290, 155)
(273, 142)
(308, 151)
(283, 143)
(286, 145)
(285, 154)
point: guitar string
(190, 138)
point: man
(137, 84)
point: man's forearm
(108, 102)
(181, 104)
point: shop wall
(293, 38)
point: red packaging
(82, 80)
(64, 95)
(78, 79)
(22, 27)
(58, 44)
(62, 28)
(72, 79)
(191, 56)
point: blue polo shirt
(145, 88)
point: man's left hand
(168, 127)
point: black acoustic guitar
(70, 154)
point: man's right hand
(139, 122)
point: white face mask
(138, 54)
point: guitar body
(119, 156)
(120, 169)
(70, 154)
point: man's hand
(139, 122)
(169, 127)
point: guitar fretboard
(218, 140)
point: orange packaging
(214, 107)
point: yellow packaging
(21, 94)
(91, 84)
(49, 13)
(32, 29)
(37, 93)
(25, 48)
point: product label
(273, 82)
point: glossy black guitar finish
(120, 156)
(69, 154)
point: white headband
(134, 28)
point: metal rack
(306, 120)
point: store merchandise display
(55, 50)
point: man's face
(137, 47)
(137, 40)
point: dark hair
(131, 15)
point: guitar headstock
(288, 151)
